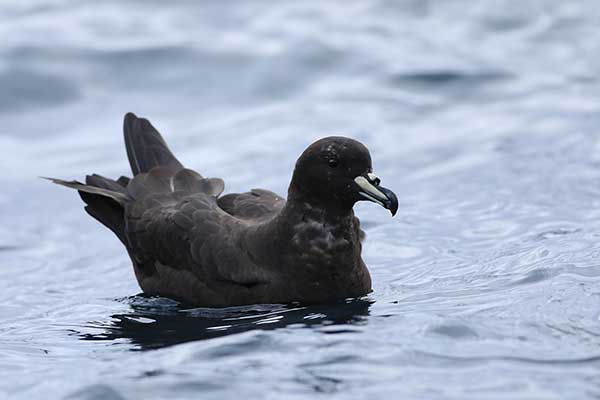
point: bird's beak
(370, 189)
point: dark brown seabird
(189, 243)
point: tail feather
(118, 196)
(105, 200)
(145, 146)
(107, 212)
(104, 183)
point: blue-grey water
(483, 116)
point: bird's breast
(319, 245)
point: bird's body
(188, 242)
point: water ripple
(482, 117)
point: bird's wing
(183, 244)
(258, 203)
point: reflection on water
(153, 323)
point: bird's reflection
(154, 323)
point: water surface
(482, 117)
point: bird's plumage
(188, 242)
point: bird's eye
(333, 162)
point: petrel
(189, 243)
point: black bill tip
(392, 201)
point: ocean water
(484, 118)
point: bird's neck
(322, 246)
(308, 229)
(317, 249)
(326, 209)
(305, 206)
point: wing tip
(128, 122)
(129, 117)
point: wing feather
(258, 203)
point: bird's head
(338, 170)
